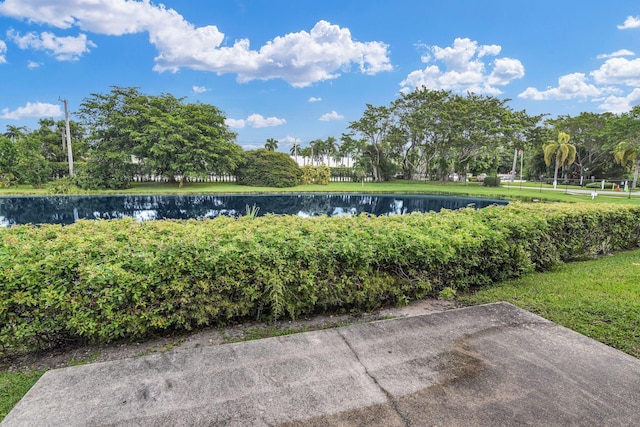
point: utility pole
(68, 132)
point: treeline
(425, 134)
(123, 134)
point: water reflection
(68, 209)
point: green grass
(507, 190)
(597, 298)
(14, 385)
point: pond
(68, 209)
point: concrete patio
(490, 365)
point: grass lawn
(14, 385)
(597, 298)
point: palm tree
(317, 146)
(271, 144)
(15, 132)
(330, 147)
(565, 154)
(627, 152)
(295, 148)
(305, 153)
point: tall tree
(295, 150)
(330, 146)
(163, 134)
(374, 127)
(563, 153)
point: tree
(271, 144)
(595, 137)
(316, 148)
(330, 146)
(629, 152)
(374, 127)
(295, 150)
(159, 134)
(52, 142)
(20, 156)
(15, 132)
(563, 152)
(8, 155)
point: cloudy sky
(302, 70)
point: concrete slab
(491, 365)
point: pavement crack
(390, 398)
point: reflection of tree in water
(67, 209)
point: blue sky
(302, 70)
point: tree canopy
(159, 135)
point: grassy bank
(597, 298)
(507, 190)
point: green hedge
(491, 181)
(98, 281)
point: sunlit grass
(508, 190)
(598, 298)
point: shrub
(112, 171)
(492, 181)
(315, 175)
(64, 185)
(100, 281)
(7, 180)
(264, 168)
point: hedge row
(99, 281)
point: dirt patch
(213, 336)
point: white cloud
(3, 51)
(314, 99)
(258, 121)
(32, 65)
(199, 89)
(331, 116)
(62, 48)
(33, 110)
(463, 69)
(630, 22)
(255, 121)
(505, 70)
(233, 123)
(300, 58)
(620, 71)
(569, 86)
(621, 104)
(621, 52)
(290, 140)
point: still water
(68, 209)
